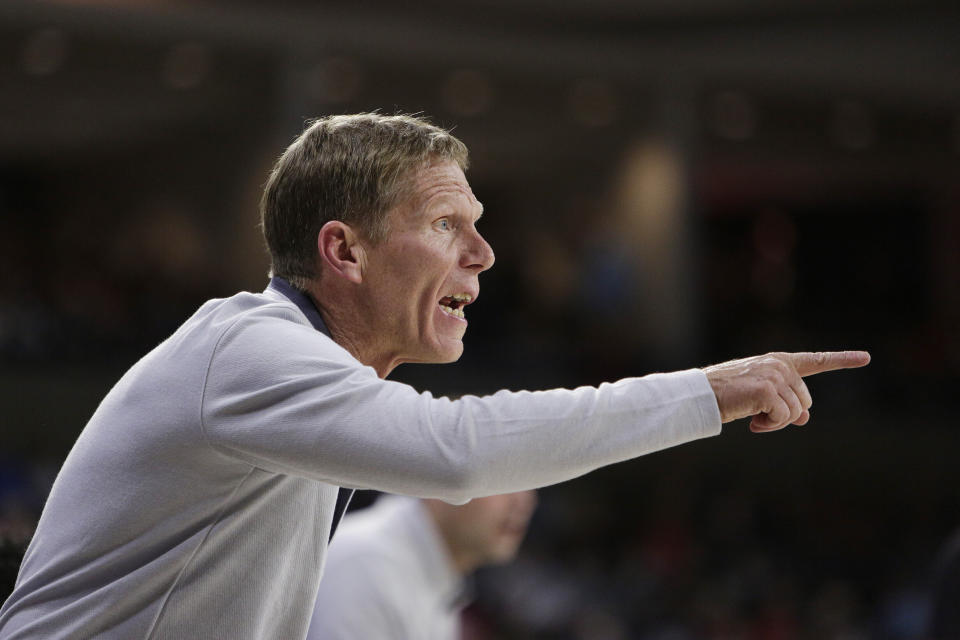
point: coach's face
(425, 273)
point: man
(399, 569)
(198, 500)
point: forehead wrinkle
(438, 182)
(451, 191)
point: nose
(479, 254)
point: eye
(443, 224)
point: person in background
(401, 568)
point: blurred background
(668, 183)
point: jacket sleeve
(284, 397)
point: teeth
(462, 297)
(454, 312)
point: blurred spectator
(401, 568)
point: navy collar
(302, 300)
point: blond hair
(353, 168)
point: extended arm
(284, 398)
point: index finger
(809, 363)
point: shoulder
(250, 309)
(257, 349)
(257, 326)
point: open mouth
(453, 305)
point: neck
(462, 559)
(342, 320)
(464, 563)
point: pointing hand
(771, 388)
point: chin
(448, 353)
(505, 553)
(453, 357)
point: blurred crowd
(765, 194)
(826, 536)
(722, 564)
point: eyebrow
(473, 198)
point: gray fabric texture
(197, 501)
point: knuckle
(776, 378)
(785, 369)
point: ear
(340, 252)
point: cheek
(435, 259)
